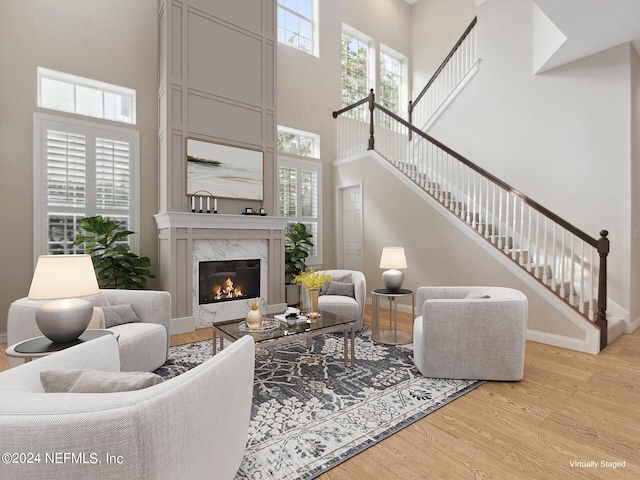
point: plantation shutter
(83, 170)
(113, 175)
(299, 186)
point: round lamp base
(393, 279)
(64, 320)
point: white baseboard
(182, 325)
(588, 345)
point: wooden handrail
(529, 201)
(442, 65)
(601, 244)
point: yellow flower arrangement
(312, 279)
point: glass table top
(274, 328)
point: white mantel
(216, 220)
(185, 238)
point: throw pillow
(95, 381)
(346, 278)
(338, 288)
(119, 314)
(476, 296)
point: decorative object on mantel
(198, 197)
(251, 211)
(254, 317)
(393, 258)
(312, 281)
(230, 171)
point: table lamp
(393, 258)
(63, 278)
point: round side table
(41, 346)
(391, 336)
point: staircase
(568, 262)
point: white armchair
(192, 426)
(352, 307)
(470, 332)
(144, 345)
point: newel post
(601, 317)
(410, 116)
(372, 98)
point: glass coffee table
(274, 332)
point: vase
(313, 303)
(254, 318)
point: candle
(215, 205)
(193, 203)
(200, 204)
(208, 204)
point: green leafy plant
(296, 250)
(115, 264)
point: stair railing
(448, 75)
(569, 262)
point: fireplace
(228, 280)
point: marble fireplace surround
(185, 239)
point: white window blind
(81, 170)
(300, 184)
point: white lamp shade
(393, 257)
(63, 276)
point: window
(391, 83)
(356, 73)
(296, 24)
(300, 184)
(81, 169)
(392, 87)
(83, 96)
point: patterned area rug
(310, 413)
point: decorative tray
(268, 324)
(283, 318)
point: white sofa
(143, 345)
(470, 332)
(339, 304)
(192, 426)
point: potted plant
(115, 264)
(296, 250)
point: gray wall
(112, 41)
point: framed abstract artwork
(224, 171)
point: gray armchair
(470, 332)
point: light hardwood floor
(571, 411)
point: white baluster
(581, 291)
(529, 236)
(592, 290)
(544, 255)
(554, 246)
(572, 274)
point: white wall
(111, 41)
(563, 137)
(309, 87)
(436, 26)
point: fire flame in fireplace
(228, 291)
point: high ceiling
(591, 26)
